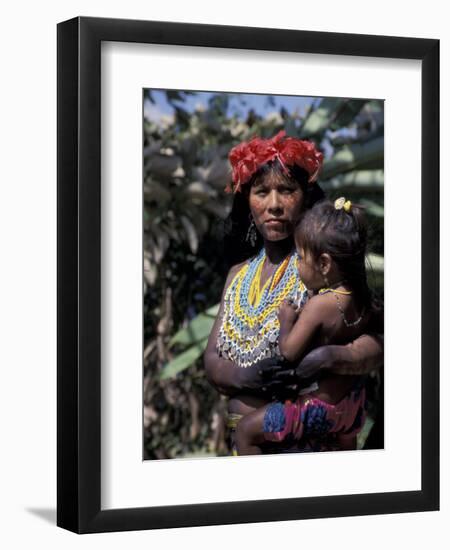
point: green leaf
(375, 262)
(364, 433)
(198, 329)
(347, 112)
(191, 233)
(318, 119)
(154, 191)
(373, 208)
(213, 310)
(200, 190)
(367, 181)
(183, 361)
(354, 157)
(290, 127)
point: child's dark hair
(343, 235)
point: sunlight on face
(275, 204)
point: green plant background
(186, 144)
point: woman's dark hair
(342, 235)
(236, 225)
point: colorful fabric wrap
(250, 328)
(309, 416)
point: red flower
(244, 161)
(247, 157)
(304, 154)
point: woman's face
(276, 204)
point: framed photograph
(248, 274)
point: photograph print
(263, 274)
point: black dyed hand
(315, 361)
(275, 386)
(270, 366)
(260, 376)
(289, 379)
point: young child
(331, 244)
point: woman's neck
(276, 251)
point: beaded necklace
(336, 292)
(250, 327)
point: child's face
(309, 270)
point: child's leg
(249, 432)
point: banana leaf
(198, 329)
(155, 191)
(183, 360)
(353, 157)
(347, 112)
(373, 208)
(375, 262)
(191, 233)
(364, 433)
(318, 119)
(359, 180)
(162, 166)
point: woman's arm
(224, 375)
(363, 355)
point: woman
(274, 182)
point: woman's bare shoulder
(236, 268)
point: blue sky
(240, 103)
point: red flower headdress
(248, 156)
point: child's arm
(298, 329)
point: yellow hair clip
(341, 203)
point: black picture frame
(79, 276)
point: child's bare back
(322, 323)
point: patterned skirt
(308, 424)
(310, 418)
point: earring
(325, 278)
(251, 233)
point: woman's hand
(260, 376)
(359, 357)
